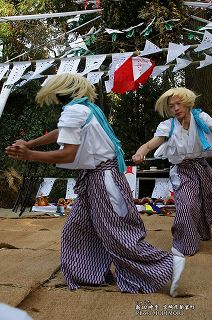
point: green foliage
(24, 119)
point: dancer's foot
(178, 266)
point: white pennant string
(93, 63)
(206, 62)
(5, 92)
(202, 5)
(140, 66)
(108, 86)
(40, 67)
(94, 77)
(158, 70)
(70, 189)
(181, 64)
(16, 72)
(3, 69)
(150, 48)
(111, 31)
(79, 43)
(68, 65)
(175, 50)
(207, 27)
(45, 187)
(206, 42)
(117, 60)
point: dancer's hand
(17, 142)
(18, 151)
(138, 157)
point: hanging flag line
(47, 15)
(108, 55)
(59, 36)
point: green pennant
(130, 33)
(92, 38)
(88, 41)
(190, 36)
(114, 36)
(168, 26)
(148, 31)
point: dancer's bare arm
(21, 152)
(140, 154)
(50, 137)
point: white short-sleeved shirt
(183, 144)
(94, 144)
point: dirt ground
(30, 276)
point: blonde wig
(187, 97)
(68, 85)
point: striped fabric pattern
(193, 206)
(94, 236)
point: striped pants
(94, 236)
(193, 200)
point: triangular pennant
(45, 187)
(4, 67)
(206, 62)
(68, 65)
(5, 92)
(140, 67)
(123, 78)
(158, 70)
(131, 28)
(79, 43)
(108, 86)
(70, 194)
(117, 60)
(40, 67)
(16, 72)
(207, 27)
(111, 31)
(175, 50)
(206, 42)
(93, 63)
(94, 77)
(181, 64)
(149, 48)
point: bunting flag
(5, 92)
(94, 77)
(175, 50)
(70, 189)
(93, 63)
(16, 72)
(4, 67)
(130, 174)
(206, 62)
(131, 28)
(150, 48)
(202, 5)
(68, 65)
(181, 64)
(117, 60)
(111, 31)
(41, 65)
(207, 27)
(45, 187)
(133, 72)
(158, 70)
(79, 43)
(206, 42)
